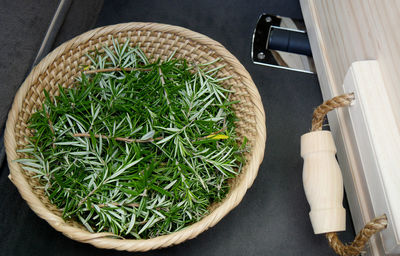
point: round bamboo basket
(62, 65)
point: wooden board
(341, 33)
(375, 139)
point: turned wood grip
(323, 182)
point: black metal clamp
(269, 35)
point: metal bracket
(280, 42)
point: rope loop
(371, 228)
(323, 109)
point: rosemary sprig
(136, 148)
(128, 140)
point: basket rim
(103, 240)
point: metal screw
(261, 55)
(268, 19)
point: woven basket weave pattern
(65, 63)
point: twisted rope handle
(323, 109)
(357, 246)
(377, 224)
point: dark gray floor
(273, 217)
(23, 25)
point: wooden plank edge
(372, 117)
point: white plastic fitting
(323, 182)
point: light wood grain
(342, 32)
(377, 142)
(323, 183)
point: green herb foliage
(136, 148)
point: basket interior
(68, 64)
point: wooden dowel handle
(323, 182)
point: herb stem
(118, 204)
(117, 138)
(88, 195)
(163, 85)
(51, 128)
(213, 133)
(105, 70)
(128, 205)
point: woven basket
(63, 64)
